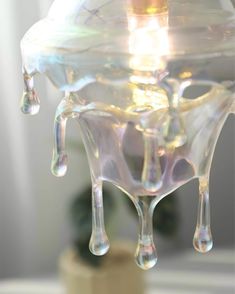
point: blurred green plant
(165, 220)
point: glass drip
(30, 103)
(143, 81)
(202, 240)
(146, 254)
(99, 243)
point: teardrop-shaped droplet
(99, 243)
(146, 254)
(202, 240)
(59, 164)
(30, 103)
(151, 175)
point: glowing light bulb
(149, 7)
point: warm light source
(148, 44)
(148, 6)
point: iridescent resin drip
(60, 158)
(143, 81)
(110, 136)
(202, 240)
(146, 254)
(99, 243)
(30, 103)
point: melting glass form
(151, 84)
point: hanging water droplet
(146, 254)
(59, 164)
(99, 243)
(151, 175)
(202, 240)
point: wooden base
(119, 273)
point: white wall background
(33, 221)
(33, 204)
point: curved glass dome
(178, 27)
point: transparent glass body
(151, 84)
